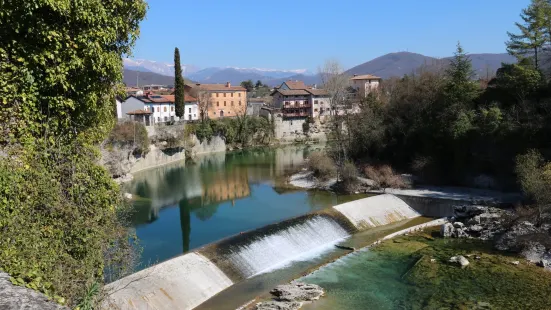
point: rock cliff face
(214, 145)
(14, 297)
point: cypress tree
(179, 100)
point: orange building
(221, 100)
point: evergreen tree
(258, 84)
(179, 95)
(534, 32)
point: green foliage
(60, 217)
(534, 175)
(130, 134)
(60, 63)
(243, 130)
(258, 84)
(520, 80)
(534, 32)
(248, 85)
(179, 96)
(60, 213)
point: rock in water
(278, 305)
(297, 291)
(447, 230)
(461, 260)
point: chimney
(355, 75)
(228, 84)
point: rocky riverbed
(504, 229)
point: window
(158, 119)
(214, 113)
(157, 109)
(216, 94)
(315, 110)
(166, 118)
(212, 95)
(164, 109)
(224, 103)
(229, 112)
(239, 94)
(224, 94)
(315, 102)
(172, 108)
(232, 94)
(172, 118)
(189, 117)
(217, 103)
(189, 110)
(232, 103)
(239, 102)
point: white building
(365, 84)
(191, 111)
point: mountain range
(386, 66)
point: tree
(179, 96)
(248, 85)
(60, 70)
(519, 80)
(258, 84)
(533, 32)
(335, 83)
(205, 102)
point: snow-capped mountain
(158, 67)
(211, 74)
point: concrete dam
(187, 281)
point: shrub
(130, 134)
(384, 177)
(61, 222)
(322, 166)
(534, 176)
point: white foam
(296, 243)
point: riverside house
(296, 100)
(154, 109)
(220, 100)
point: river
(181, 207)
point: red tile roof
(295, 84)
(219, 87)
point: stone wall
(157, 157)
(290, 130)
(214, 145)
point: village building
(295, 99)
(220, 100)
(365, 84)
(154, 109)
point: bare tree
(204, 101)
(336, 84)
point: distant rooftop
(365, 77)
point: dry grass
(384, 177)
(322, 166)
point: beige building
(220, 100)
(295, 99)
(365, 84)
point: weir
(188, 280)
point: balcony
(296, 113)
(297, 106)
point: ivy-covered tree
(60, 70)
(248, 85)
(179, 100)
(534, 31)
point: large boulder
(297, 291)
(14, 297)
(517, 237)
(460, 260)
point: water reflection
(181, 207)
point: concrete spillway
(187, 281)
(376, 211)
(183, 282)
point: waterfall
(295, 243)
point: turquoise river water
(181, 207)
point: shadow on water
(181, 207)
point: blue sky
(301, 34)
